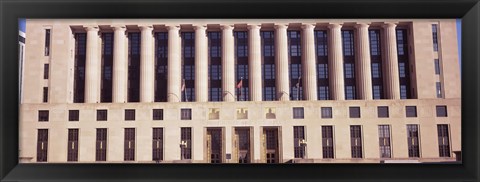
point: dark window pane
(42, 115)
(129, 114)
(326, 112)
(441, 111)
(73, 115)
(412, 140)
(383, 111)
(411, 111)
(298, 113)
(186, 114)
(102, 115)
(354, 112)
(157, 114)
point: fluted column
(92, 75)
(281, 62)
(309, 77)
(228, 64)
(364, 75)
(255, 62)
(391, 62)
(146, 64)
(201, 63)
(119, 65)
(335, 62)
(174, 64)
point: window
(326, 112)
(268, 65)
(294, 45)
(321, 42)
(411, 111)
(47, 42)
(157, 144)
(375, 48)
(133, 84)
(298, 113)
(412, 139)
(349, 92)
(102, 115)
(157, 114)
(376, 73)
(188, 66)
(101, 145)
(323, 93)
(348, 45)
(439, 90)
(441, 111)
(437, 66)
(42, 145)
(384, 139)
(327, 142)
(377, 92)
(45, 94)
(129, 145)
(129, 114)
(382, 111)
(349, 70)
(435, 37)
(401, 69)
(215, 66)
(322, 71)
(161, 66)
(356, 141)
(43, 115)
(299, 141)
(73, 115)
(354, 112)
(186, 114)
(45, 71)
(106, 81)
(443, 140)
(72, 154)
(186, 143)
(403, 92)
(79, 67)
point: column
(228, 64)
(119, 65)
(174, 64)
(146, 64)
(281, 62)
(364, 76)
(255, 62)
(391, 62)
(309, 76)
(201, 63)
(92, 76)
(335, 62)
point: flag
(240, 83)
(183, 85)
(298, 83)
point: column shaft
(228, 64)
(201, 64)
(255, 63)
(309, 77)
(174, 64)
(92, 76)
(281, 62)
(335, 62)
(364, 76)
(119, 65)
(146, 65)
(392, 81)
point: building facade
(240, 91)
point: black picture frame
(467, 10)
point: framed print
(240, 91)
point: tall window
(186, 143)
(72, 154)
(295, 65)
(47, 42)
(349, 64)
(376, 64)
(268, 65)
(403, 64)
(437, 66)
(101, 145)
(299, 141)
(45, 95)
(129, 145)
(188, 66)
(241, 66)
(443, 140)
(435, 37)
(157, 144)
(134, 66)
(327, 142)
(356, 141)
(384, 139)
(107, 63)
(42, 145)
(45, 71)
(79, 68)
(438, 87)
(321, 50)
(161, 66)
(412, 139)
(215, 66)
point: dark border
(10, 11)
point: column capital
(91, 28)
(362, 25)
(199, 27)
(389, 25)
(254, 26)
(119, 27)
(335, 25)
(227, 27)
(145, 27)
(173, 27)
(308, 26)
(281, 26)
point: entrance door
(271, 144)
(214, 145)
(243, 145)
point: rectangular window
(327, 142)
(129, 114)
(376, 70)
(72, 145)
(45, 94)
(102, 115)
(354, 112)
(298, 113)
(323, 93)
(443, 140)
(133, 84)
(441, 111)
(347, 43)
(73, 115)
(295, 65)
(101, 145)
(45, 71)
(375, 49)
(384, 141)
(299, 141)
(412, 139)
(403, 63)
(349, 70)
(411, 111)
(294, 43)
(157, 144)
(439, 90)
(382, 111)
(106, 81)
(42, 145)
(186, 143)
(188, 66)
(43, 115)
(435, 37)
(321, 42)
(157, 114)
(377, 92)
(47, 42)
(79, 67)
(349, 92)
(403, 92)
(129, 145)
(437, 66)
(268, 65)
(326, 112)
(356, 141)
(186, 114)
(215, 66)
(161, 66)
